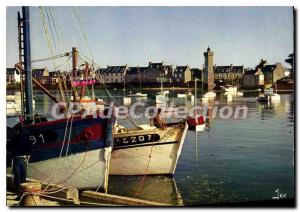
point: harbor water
(235, 160)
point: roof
(227, 69)
(155, 64)
(136, 70)
(178, 68)
(196, 72)
(251, 72)
(112, 69)
(38, 71)
(268, 68)
(168, 66)
(133, 70)
(10, 70)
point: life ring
(88, 134)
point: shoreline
(168, 88)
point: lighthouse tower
(209, 70)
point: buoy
(88, 134)
(31, 191)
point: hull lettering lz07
(136, 139)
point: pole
(74, 70)
(21, 69)
(195, 100)
(27, 62)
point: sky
(174, 35)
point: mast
(140, 80)
(21, 63)
(74, 69)
(202, 83)
(85, 76)
(195, 99)
(27, 62)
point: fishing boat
(209, 95)
(73, 151)
(268, 95)
(187, 95)
(196, 122)
(181, 95)
(137, 95)
(147, 150)
(14, 105)
(230, 89)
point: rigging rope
(47, 35)
(51, 31)
(52, 57)
(84, 32)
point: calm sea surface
(235, 160)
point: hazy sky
(175, 35)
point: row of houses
(43, 75)
(157, 72)
(263, 76)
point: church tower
(209, 70)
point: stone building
(134, 74)
(253, 79)
(209, 70)
(197, 74)
(272, 73)
(182, 74)
(228, 74)
(157, 72)
(113, 74)
(41, 75)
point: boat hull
(78, 161)
(150, 158)
(161, 99)
(83, 170)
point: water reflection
(155, 188)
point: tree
(290, 60)
(261, 64)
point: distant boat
(126, 100)
(138, 95)
(181, 95)
(230, 89)
(269, 95)
(163, 96)
(187, 95)
(209, 95)
(14, 105)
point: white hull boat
(13, 104)
(231, 89)
(83, 170)
(126, 100)
(138, 95)
(148, 150)
(200, 127)
(269, 95)
(161, 98)
(210, 95)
